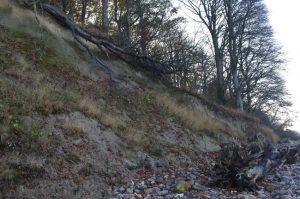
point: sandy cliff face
(67, 131)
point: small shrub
(16, 124)
(19, 35)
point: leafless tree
(210, 13)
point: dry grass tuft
(235, 114)
(269, 133)
(136, 136)
(250, 129)
(71, 129)
(196, 120)
(217, 108)
(128, 132)
(92, 108)
(37, 95)
(42, 98)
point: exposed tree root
(147, 63)
(242, 166)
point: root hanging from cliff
(156, 68)
(242, 166)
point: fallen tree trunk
(242, 166)
(147, 63)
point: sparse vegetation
(5, 10)
(11, 173)
(72, 158)
(42, 94)
(200, 122)
(40, 89)
(71, 129)
(91, 108)
(7, 175)
(269, 133)
(86, 170)
(13, 136)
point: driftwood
(242, 166)
(157, 68)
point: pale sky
(285, 19)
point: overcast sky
(285, 19)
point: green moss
(5, 11)
(16, 124)
(8, 125)
(182, 187)
(135, 104)
(39, 51)
(44, 59)
(42, 142)
(19, 35)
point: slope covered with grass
(67, 131)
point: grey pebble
(163, 192)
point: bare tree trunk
(238, 95)
(117, 20)
(83, 11)
(210, 14)
(127, 26)
(105, 17)
(249, 98)
(141, 28)
(220, 70)
(232, 48)
(205, 77)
